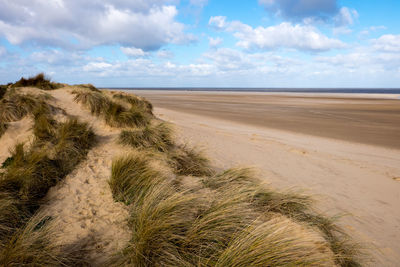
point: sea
(272, 90)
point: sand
(342, 149)
(369, 119)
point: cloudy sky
(214, 43)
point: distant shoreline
(265, 90)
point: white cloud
(345, 17)
(284, 35)
(144, 24)
(387, 43)
(218, 22)
(133, 52)
(165, 54)
(214, 42)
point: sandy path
(83, 201)
(346, 177)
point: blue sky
(200, 43)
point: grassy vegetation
(230, 220)
(151, 136)
(3, 128)
(3, 90)
(15, 106)
(40, 81)
(135, 101)
(115, 115)
(29, 173)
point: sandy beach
(343, 149)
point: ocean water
(275, 90)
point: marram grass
(113, 113)
(232, 220)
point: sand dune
(347, 177)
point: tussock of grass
(40, 81)
(114, 114)
(96, 102)
(135, 101)
(151, 136)
(189, 161)
(277, 242)
(131, 177)
(3, 128)
(15, 106)
(89, 86)
(31, 246)
(295, 206)
(3, 90)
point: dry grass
(40, 81)
(3, 90)
(186, 160)
(135, 101)
(131, 177)
(3, 128)
(15, 106)
(158, 137)
(32, 246)
(232, 220)
(114, 114)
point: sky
(203, 43)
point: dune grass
(231, 220)
(187, 160)
(135, 101)
(32, 246)
(39, 81)
(3, 90)
(157, 136)
(15, 106)
(3, 128)
(114, 114)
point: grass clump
(3, 90)
(131, 177)
(114, 114)
(3, 128)
(32, 246)
(40, 81)
(135, 101)
(151, 136)
(189, 161)
(15, 106)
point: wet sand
(364, 119)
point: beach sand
(343, 149)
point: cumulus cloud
(144, 24)
(133, 52)
(284, 35)
(387, 43)
(300, 9)
(214, 42)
